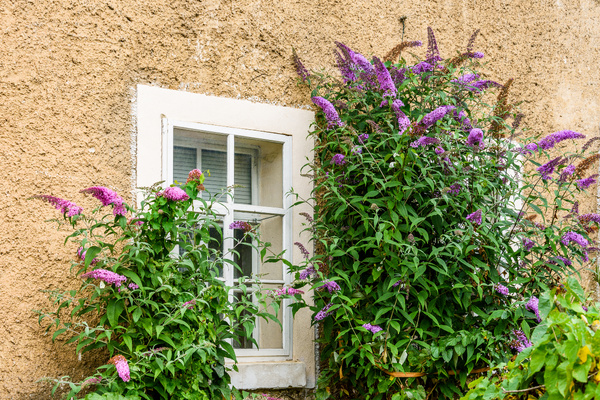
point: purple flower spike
(243, 225)
(331, 286)
(338, 159)
(435, 115)
(424, 141)
(386, 84)
(475, 138)
(308, 272)
(433, 53)
(324, 313)
(439, 150)
(106, 276)
(528, 243)
(521, 343)
(65, 206)
(403, 121)
(503, 290)
(107, 197)
(554, 138)
(122, 366)
(587, 182)
(574, 237)
(372, 328)
(362, 138)
(532, 305)
(567, 172)
(421, 67)
(133, 286)
(454, 189)
(475, 217)
(547, 169)
(333, 119)
(303, 250)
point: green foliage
(173, 319)
(396, 227)
(563, 361)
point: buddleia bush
(433, 238)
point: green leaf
(113, 311)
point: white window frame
(227, 209)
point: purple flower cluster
(454, 189)
(475, 217)
(403, 121)
(303, 250)
(435, 115)
(338, 159)
(331, 286)
(421, 67)
(554, 138)
(174, 193)
(587, 218)
(300, 68)
(194, 175)
(532, 305)
(481, 85)
(433, 53)
(548, 168)
(287, 290)
(564, 260)
(566, 172)
(475, 138)
(243, 225)
(386, 84)
(501, 289)
(527, 243)
(308, 272)
(439, 150)
(324, 313)
(122, 366)
(521, 343)
(424, 141)
(106, 276)
(464, 79)
(107, 197)
(333, 119)
(133, 286)
(372, 328)
(586, 182)
(189, 304)
(66, 207)
(362, 138)
(574, 237)
(356, 150)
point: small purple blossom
(481, 85)
(477, 54)
(527, 243)
(574, 237)
(372, 328)
(303, 250)
(566, 172)
(386, 84)
(324, 313)
(287, 291)
(587, 218)
(356, 150)
(403, 121)
(107, 197)
(454, 189)
(554, 138)
(435, 115)
(308, 272)
(465, 78)
(189, 304)
(547, 169)
(439, 150)
(424, 141)
(333, 119)
(331, 286)
(66, 207)
(501, 289)
(587, 182)
(475, 217)
(421, 67)
(243, 225)
(174, 193)
(521, 343)
(133, 286)
(362, 138)
(106, 276)
(475, 138)
(338, 159)
(461, 117)
(532, 305)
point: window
(259, 148)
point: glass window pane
(243, 254)
(270, 333)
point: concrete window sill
(269, 375)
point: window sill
(271, 375)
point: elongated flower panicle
(300, 68)
(566, 172)
(386, 84)
(421, 67)
(303, 250)
(66, 207)
(464, 79)
(189, 304)
(287, 291)
(331, 286)
(587, 182)
(548, 168)
(324, 313)
(107, 197)
(333, 119)
(587, 218)
(243, 225)
(454, 189)
(109, 277)
(362, 138)
(532, 305)
(308, 272)
(439, 150)
(501, 289)
(433, 53)
(372, 328)
(338, 159)
(403, 121)
(424, 141)
(475, 217)
(174, 193)
(435, 115)
(527, 243)
(574, 237)
(521, 343)
(122, 366)
(133, 286)
(475, 138)
(554, 138)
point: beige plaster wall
(68, 70)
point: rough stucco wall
(68, 70)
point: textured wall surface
(68, 70)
